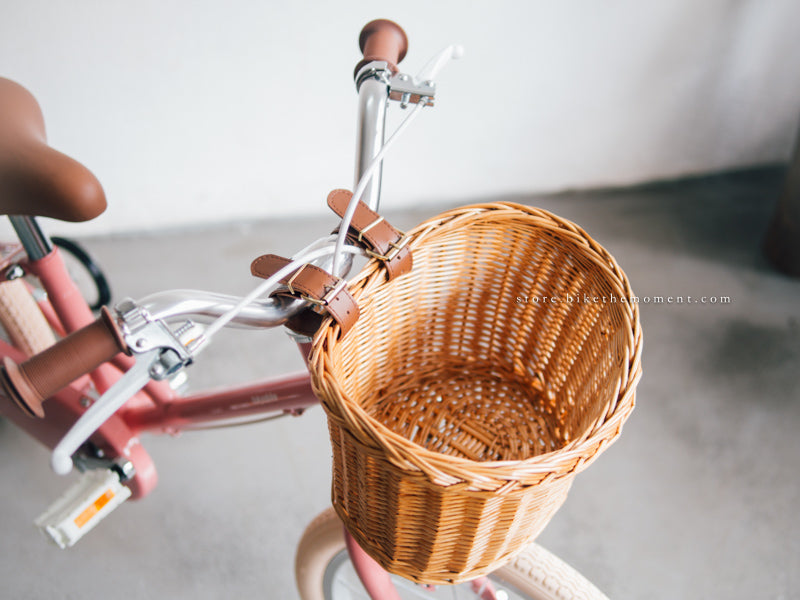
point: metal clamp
(402, 87)
(145, 334)
(377, 69)
(408, 90)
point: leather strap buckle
(322, 290)
(294, 276)
(364, 230)
(332, 292)
(371, 230)
(396, 247)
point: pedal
(84, 505)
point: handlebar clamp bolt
(167, 364)
(157, 371)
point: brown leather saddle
(35, 179)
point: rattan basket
(474, 388)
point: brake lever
(159, 354)
(102, 410)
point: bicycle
(90, 395)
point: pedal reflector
(85, 504)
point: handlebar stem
(373, 96)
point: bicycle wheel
(85, 272)
(324, 572)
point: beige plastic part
(24, 323)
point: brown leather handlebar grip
(382, 40)
(30, 383)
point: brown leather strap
(381, 240)
(323, 290)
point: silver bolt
(15, 272)
(157, 371)
(126, 468)
(125, 306)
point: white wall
(194, 112)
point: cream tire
(535, 573)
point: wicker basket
(474, 388)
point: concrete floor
(698, 499)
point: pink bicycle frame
(157, 408)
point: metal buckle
(368, 227)
(396, 247)
(293, 277)
(329, 296)
(326, 299)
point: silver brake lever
(159, 354)
(102, 410)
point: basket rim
(487, 475)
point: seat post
(37, 245)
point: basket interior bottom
(474, 413)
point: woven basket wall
(474, 388)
